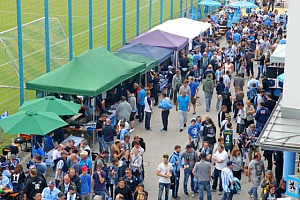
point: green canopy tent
(150, 63)
(90, 74)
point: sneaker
(186, 193)
(162, 129)
(181, 130)
(184, 125)
(194, 113)
(251, 195)
(220, 193)
(131, 130)
(193, 194)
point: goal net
(33, 57)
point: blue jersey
(183, 102)
(193, 87)
(194, 131)
(141, 95)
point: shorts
(131, 118)
(193, 100)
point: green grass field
(34, 54)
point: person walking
(183, 106)
(256, 169)
(176, 83)
(175, 160)
(164, 171)
(108, 133)
(165, 105)
(141, 102)
(227, 181)
(202, 172)
(123, 109)
(208, 88)
(132, 102)
(194, 92)
(148, 111)
(220, 158)
(190, 158)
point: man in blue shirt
(141, 102)
(236, 37)
(175, 160)
(183, 105)
(194, 92)
(50, 192)
(261, 116)
(194, 133)
(227, 181)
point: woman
(226, 99)
(238, 97)
(142, 196)
(236, 157)
(127, 158)
(261, 64)
(140, 191)
(271, 194)
(281, 190)
(117, 151)
(242, 70)
(18, 178)
(209, 132)
(268, 181)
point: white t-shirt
(56, 154)
(163, 169)
(223, 156)
(226, 80)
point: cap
(230, 163)
(84, 153)
(3, 165)
(203, 155)
(13, 157)
(32, 167)
(83, 168)
(188, 146)
(52, 183)
(61, 194)
(72, 187)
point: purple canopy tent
(163, 39)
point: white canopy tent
(278, 55)
(184, 27)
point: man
(183, 105)
(204, 62)
(236, 37)
(226, 79)
(261, 116)
(220, 87)
(141, 103)
(130, 180)
(70, 146)
(221, 115)
(61, 167)
(108, 132)
(194, 134)
(86, 161)
(123, 189)
(208, 88)
(126, 143)
(148, 111)
(227, 180)
(123, 109)
(184, 64)
(210, 71)
(176, 83)
(194, 92)
(175, 160)
(85, 147)
(165, 112)
(50, 192)
(74, 163)
(75, 179)
(86, 183)
(251, 81)
(207, 150)
(239, 81)
(241, 118)
(13, 162)
(65, 186)
(270, 103)
(250, 111)
(202, 172)
(256, 169)
(73, 194)
(260, 98)
(189, 160)
(98, 182)
(132, 102)
(251, 135)
(229, 137)
(33, 185)
(185, 88)
(220, 158)
(164, 171)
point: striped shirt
(227, 178)
(59, 165)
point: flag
(4, 115)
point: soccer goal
(33, 55)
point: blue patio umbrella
(210, 3)
(281, 78)
(244, 4)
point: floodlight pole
(70, 30)
(47, 35)
(124, 22)
(91, 24)
(20, 48)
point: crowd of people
(221, 149)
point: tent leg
(93, 122)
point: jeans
(85, 196)
(187, 173)
(217, 175)
(161, 190)
(227, 196)
(218, 103)
(164, 117)
(207, 100)
(107, 147)
(271, 3)
(141, 109)
(175, 91)
(101, 144)
(259, 71)
(176, 184)
(249, 69)
(170, 91)
(253, 191)
(182, 118)
(204, 185)
(100, 193)
(147, 120)
(155, 93)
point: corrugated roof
(280, 133)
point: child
(194, 134)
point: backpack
(236, 187)
(65, 167)
(251, 94)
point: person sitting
(271, 194)
(281, 190)
(48, 142)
